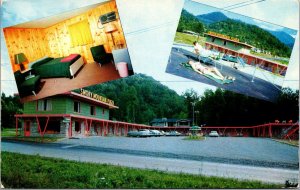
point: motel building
(232, 46)
(85, 114)
(69, 115)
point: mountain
(284, 38)
(284, 35)
(212, 17)
(189, 22)
(251, 34)
(140, 99)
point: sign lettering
(223, 36)
(96, 97)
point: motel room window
(80, 33)
(44, 105)
(93, 110)
(77, 107)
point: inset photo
(67, 51)
(231, 51)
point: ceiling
(51, 20)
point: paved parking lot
(234, 150)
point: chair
(27, 86)
(100, 56)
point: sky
(197, 8)
(149, 28)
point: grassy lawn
(24, 171)
(290, 142)
(188, 39)
(34, 139)
(270, 57)
(199, 138)
(8, 132)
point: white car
(155, 133)
(213, 134)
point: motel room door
(27, 128)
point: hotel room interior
(68, 51)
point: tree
(10, 105)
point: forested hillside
(189, 22)
(140, 99)
(252, 35)
(219, 23)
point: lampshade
(110, 28)
(20, 58)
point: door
(26, 128)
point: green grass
(197, 138)
(8, 132)
(188, 39)
(287, 141)
(34, 139)
(270, 57)
(24, 171)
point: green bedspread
(53, 68)
(227, 81)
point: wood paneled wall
(54, 41)
(31, 42)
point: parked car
(163, 133)
(155, 133)
(213, 134)
(230, 58)
(173, 133)
(139, 133)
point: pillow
(70, 58)
(39, 61)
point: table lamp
(110, 28)
(20, 59)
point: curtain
(44, 105)
(80, 33)
(48, 105)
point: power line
(246, 4)
(237, 4)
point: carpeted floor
(89, 74)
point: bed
(49, 67)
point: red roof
(241, 43)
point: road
(80, 151)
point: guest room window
(93, 110)
(80, 33)
(77, 107)
(44, 105)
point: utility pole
(193, 104)
(196, 112)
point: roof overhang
(241, 43)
